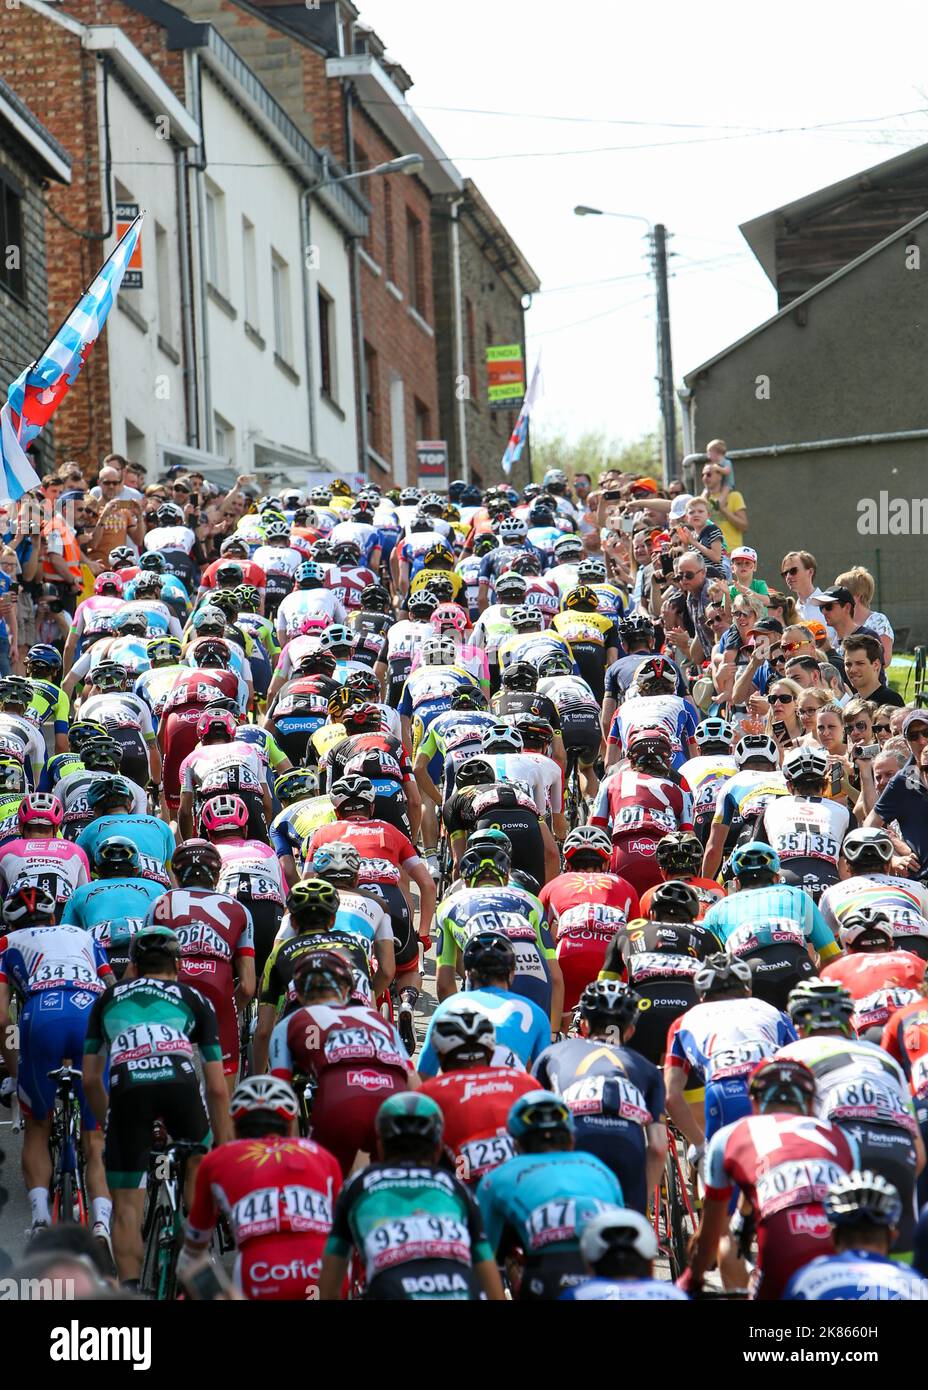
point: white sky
(624, 67)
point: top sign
(432, 461)
(126, 213)
(505, 376)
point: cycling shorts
(280, 1267)
(581, 732)
(775, 970)
(813, 875)
(134, 764)
(266, 916)
(226, 1019)
(786, 1242)
(580, 954)
(726, 1101)
(890, 1151)
(293, 733)
(134, 1108)
(52, 1027)
(621, 1145)
(546, 1277)
(343, 1111)
(405, 940)
(666, 1001)
(435, 1280)
(634, 857)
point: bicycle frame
(163, 1222)
(67, 1189)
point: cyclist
(579, 717)
(303, 811)
(113, 906)
(403, 639)
(361, 913)
(905, 1038)
(85, 789)
(872, 961)
(541, 1199)
(679, 857)
(310, 599)
(519, 695)
(480, 802)
(50, 705)
(758, 898)
(218, 766)
(650, 703)
(249, 869)
(641, 803)
(593, 639)
(113, 805)
(864, 1211)
(522, 1028)
(615, 1094)
(489, 902)
(804, 828)
(784, 1162)
(55, 972)
(127, 719)
(39, 856)
(474, 1095)
(353, 1054)
(185, 703)
(216, 938)
(149, 1025)
(743, 798)
(416, 1227)
(713, 764)
(368, 751)
(619, 1248)
(585, 905)
(864, 881)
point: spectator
(797, 570)
(690, 574)
(782, 607)
(726, 507)
(61, 556)
(744, 572)
(904, 799)
(860, 583)
(782, 711)
(806, 671)
(115, 464)
(716, 451)
(811, 700)
(120, 518)
(863, 667)
(703, 536)
(858, 722)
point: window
(414, 277)
(223, 437)
(135, 443)
(389, 242)
(280, 293)
(423, 420)
(165, 297)
(216, 256)
(360, 162)
(372, 404)
(11, 245)
(470, 324)
(250, 268)
(327, 362)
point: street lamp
(403, 164)
(657, 236)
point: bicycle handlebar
(69, 1074)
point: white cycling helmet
(501, 738)
(512, 528)
(438, 650)
(714, 730)
(264, 1094)
(617, 1228)
(753, 746)
(806, 762)
(461, 1028)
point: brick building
(30, 161)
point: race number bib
(416, 1238)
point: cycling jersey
(904, 900)
(417, 1229)
(523, 1030)
(383, 760)
(704, 775)
(855, 1081)
(905, 1038)
(784, 1164)
(863, 972)
(590, 636)
(753, 907)
(73, 791)
(295, 608)
(743, 798)
(475, 1103)
(585, 910)
(128, 720)
(112, 909)
(153, 839)
(630, 802)
(500, 807)
(296, 823)
(58, 866)
(250, 871)
(432, 686)
(620, 1290)
(677, 716)
(807, 829)
(855, 1275)
(373, 839)
(215, 768)
(518, 916)
(542, 1202)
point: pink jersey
(56, 865)
(206, 770)
(250, 869)
(89, 613)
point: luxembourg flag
(35, 395)
(536, 390)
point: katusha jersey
(905, 1038)
(635, 803)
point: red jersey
(251, 573)
(864, 972)
(905, 1038)
(632, 802)
(706, 889)
(373, 839)
(182, 708)
(278, 1194)
(590, 902)
(784, 1164)
(348, 585)
(476, 1104)
(214, 931)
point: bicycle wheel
(679, 1223)
(151, 1235)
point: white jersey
(523, 771)
(307, 603)
(72, 790)
(904, 900)
(554, 780)
(856, 1080)
(564, 577)
(652, 712)
(567, 692)
(405, 637)
(19, 733)
(805, 827)
(120, 710)
(277, 559)
(170, 538)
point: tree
(592, 453)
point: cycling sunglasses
(882, 728)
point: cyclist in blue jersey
(152, 837)
(619, 1248)
(615, 1095)
(543, 533)
(740, 802)
(522, 1030)
(541, 1199)
(489, 902)
(114, 905)
(757, 897)
(864, 1211)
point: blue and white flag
(517, 438)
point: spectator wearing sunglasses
(810, 702)
(863, 669)
(837, 608)
(882, 728)
(759, 671)
(797, 570)
(858, 723)
(904, 799)
(783, 608)
(783, 713)
(690, 575)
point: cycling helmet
(821, 1006)
(40, 808)
(588, 839)
(475, 772)
(409, 1115)
(322, 552)
(463, 1033)
(542, 514)
(484, 543)
(164, 651)
(778, 1081)
(721, 972)
(649, 744)
(154, 561)
(375, 598)
(223, 812)
(264, 1095)
(236, 545)
(277, 529)
(116, 851)
(534, 729)
(868, 849)
(438, 556)
(322, 970)
(501, 738)
(636, 628)
(656, 670)
(336, 638)
(618, 1231)
(511, 587)
(805, 764)
(196, 859)
(475, 862)
(512, 528)
(438, 650)
(148, 584)
(521, 675)
(422, 604)
(539, 1112)
(248, 598)
(211, 653)
(468, 697)
(364, 685)
(591, 570)
(555, 480)
(210, 620)
(347, 553)
(554, 664)
(14, 690)
(581, 597)
(760, 747)
(131, 624)
(352, 792)
(110, 791)
(709, 731)
(212, 719)
(43, 655)
(109, 675)
(336, 862)
(865, 927)
(568, 544)
(489, 954)
(674, 900)
(320, 496)
(101, 754)
(299, 782)
(863, 1198)
(610, 1002)
(309, 575)
(121, 555)
(82, 730)
(526, 619)
(26, 904)
(108, 583)
(489, 839)
(680, 852)
(154, 941)
(440, 585)
(526, 562)
(363, 718)
(754, 857)
(169, 515)
(313, 900)
(317, 663)
(450, 616)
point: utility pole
(665, 364)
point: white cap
(679, 505)
(744, 552)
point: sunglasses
(687, 574)
(781, 699)
(826, 607)
(738, 614)
(793, 646)
(882, 728)
(914, 735)
(857, 725)
(110, 482)
(788, 574)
